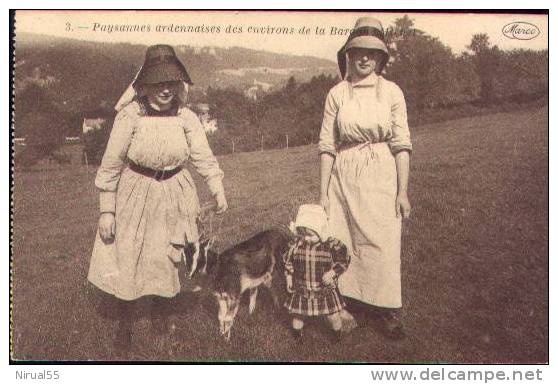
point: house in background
(202, 110)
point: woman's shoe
(392, 326)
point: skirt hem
(111, 291)
(371, 302)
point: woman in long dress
(364, 156)
(148, 200)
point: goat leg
(253, 296)
(268, 284)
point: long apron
(150, 214)
(362, 195)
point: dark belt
(154, 174)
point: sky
(454, 30)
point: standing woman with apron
(364, 163)
(148, 200)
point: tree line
(437, 83)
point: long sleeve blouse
(159, 143)
(371, 110)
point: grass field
(474, 258)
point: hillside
(83, 75)
(474, 257)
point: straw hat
(161, 65)
(312, 216)
(368, 33)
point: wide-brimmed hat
(314, 217)
(161, 65)
(368, 33)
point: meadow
(474, 257)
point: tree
(480, 43)
(422, 65)
(291, 85)
(42, 124)
(487, 62)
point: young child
(313, 263)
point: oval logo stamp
(521, 30)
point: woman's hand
(220, 203)
(324, 202)
(402, 205)
(290, 284)
(107, 226)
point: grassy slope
(475, 262)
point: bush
(41, 123)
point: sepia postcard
(280, 187)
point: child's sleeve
(288, 259)
(340, 256)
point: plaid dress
(307, 263)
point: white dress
(150, 215)
(364, 125)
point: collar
(369, 81)
(150, 111)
